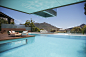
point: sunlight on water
(61, 34)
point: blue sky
(68, 16)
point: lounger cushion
(11, 34)
(24, 31)
(12, 31)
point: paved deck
(8, 37)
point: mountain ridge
(49, 27)
(45, 26)
(81, 26)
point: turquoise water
(50, 46)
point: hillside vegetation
(45, 26)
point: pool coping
(61, 34)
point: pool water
(50, 46)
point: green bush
(84, 29)
(30, 23)
(76, 30)
(35, 29)
(53, 31)
(2, 21)
(12, 23)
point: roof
(4, 15)
(32, 6)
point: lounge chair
(25, 33)
(15, 34)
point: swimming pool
(45, 45)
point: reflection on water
(10, 45)
(31, 40)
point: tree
(30, 23)
(41, 29)
(2, 21)
(27, 23)
(53, 31)
(35, 29)
(84, 29)
(76, 30)
(72, 30)
(58, 29)
(12, 23)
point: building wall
(7, 19)
(12, 20)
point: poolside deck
(8, 37)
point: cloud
(18, 20)
(35, 21)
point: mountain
(81, 26)
(45, 26)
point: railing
(13, 26)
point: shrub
(84, 29)
(35, 29)
(76, 30)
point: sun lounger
(15, 34)
(25, 33)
